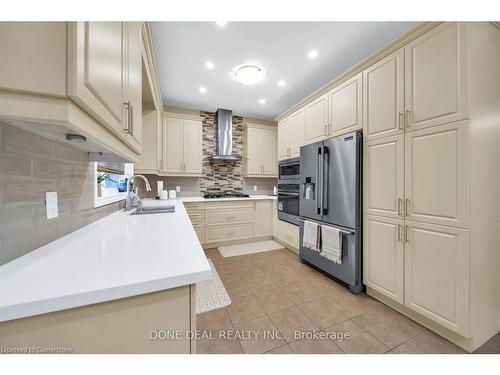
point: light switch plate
(51, 204)
(178, 189)
(255, 188)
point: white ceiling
(182, 48)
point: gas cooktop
(236, 195)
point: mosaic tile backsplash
(221, 176)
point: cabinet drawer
(194, 206)
(228, 205)
(200, 232)
(197, 219)
(229, 233)
(240, 215)
(288, 233)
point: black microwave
(289, 169)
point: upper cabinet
(291, 135)
(383, 93)
(316, 120)
(83, 77)
(436, 76)
(182, 146)
(104, 75)
(260, 151)
(346, 106)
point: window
(110, 181)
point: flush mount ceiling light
(221, 23)
(249, 74)
(281, 83)
(203, 89)
(312, 54)
(210, 65)
(262, 101)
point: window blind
(111, 167)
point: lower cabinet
(224, 221)
(423, 266)
(383, 261)
(437, 274)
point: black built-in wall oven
(289, 190)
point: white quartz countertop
(118, 256)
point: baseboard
(463, 342)
(235, 242)
(286, 245)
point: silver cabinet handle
(131, 118)
(399, 232)
(401, 121)
(408, 118)
(126, 105)
(399, 207)
(407, 207)
(407, 237)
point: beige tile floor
(273, 291)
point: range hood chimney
(224, 136)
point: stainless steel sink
(154, 210)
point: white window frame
(103, 201)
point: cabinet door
(437, 274)
(346, 106)
(262, 218)
(283, 136)
(133, 85)
(316, 120)
(436, 82)
(437, 174)
(173, 145)
(193, 148)
(254, 151)
(383, 255)
(383, 93)
(269, 159)
(95, 71)
(296, 133)
(384, 178)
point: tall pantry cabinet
(431, 118)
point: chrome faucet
(133, 199)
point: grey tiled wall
(31, 165)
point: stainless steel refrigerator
(330, 194)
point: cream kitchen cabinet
(262, 218)
(291, 135)
(383, 97)
(437, 76)
(437, 274)
(182, 146)
(105, 78)
(316, 120)
(383, 261)
(437, 174)
(421, 85)
(260, 151)
(384, 176)
(346, 106)
(59, 78)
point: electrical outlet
(51, 204)
(178, 189)
(255, 188)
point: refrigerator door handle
(324, 181)
(318, 180)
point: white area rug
(249, 248)
(211, 294)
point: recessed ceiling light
(262, 101)
(281, 83)
(210, 65)
(312, 54)
(221, 23)
(203, 89)
(249, 74)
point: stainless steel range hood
(224, 136)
